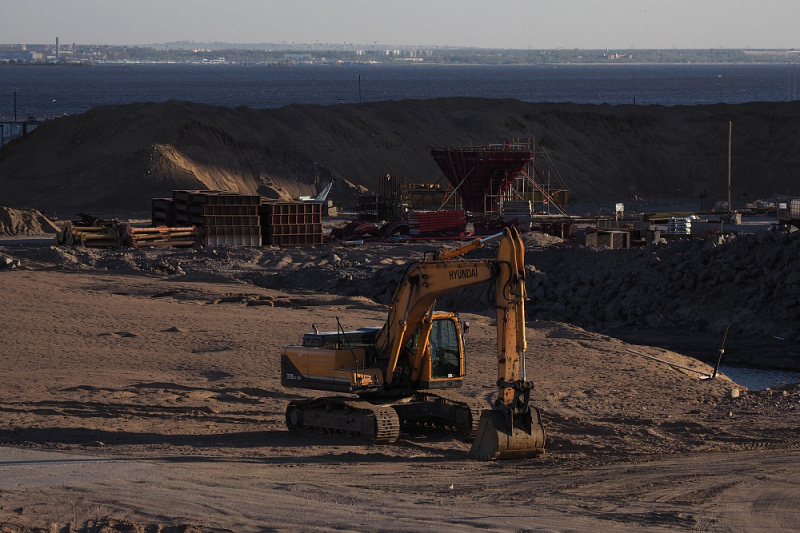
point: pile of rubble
(750, 282)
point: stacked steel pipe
(160, 236)
(89, 234)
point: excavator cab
(442, 356)
(446, 354)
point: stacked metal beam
(163, 212)
(438, 222)
(225, 217)
(291, 223)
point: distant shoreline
(397, 64)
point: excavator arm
(424, 282)
(512, 428)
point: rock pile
(750, 282)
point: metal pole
(730, 135)
(359, 88)
(720, 88)
(15, 106)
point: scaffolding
(488, 176)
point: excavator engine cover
(523, 437)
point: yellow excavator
(405, 373)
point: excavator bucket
(503, 436)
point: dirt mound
(14, 222)
(121, 156)
(105, 525)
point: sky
(521, 24)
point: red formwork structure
(482, 175)
(291, 223)
(421, 223)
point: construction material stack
(163, 212)
(680, 226)
(519, 211)
(159, 236)
(429, 223)
(291, 223)
(224, 217)
(89, 234)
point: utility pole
(730, 135)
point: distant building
(297, 57)
(20, 55)
(12, 129)
(617, 56)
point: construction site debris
(7, 262)
(361, 231)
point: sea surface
(53, 91)
(755, 379)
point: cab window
(445, 351)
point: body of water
(755, 379)
(53, 91)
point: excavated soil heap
(14, 222)
(121, 156)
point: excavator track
(344, 417)
(442, 411)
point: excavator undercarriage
(380, 423)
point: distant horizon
(482, 24)
(381, 46)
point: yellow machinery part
(496, 440)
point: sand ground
(138, 400)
